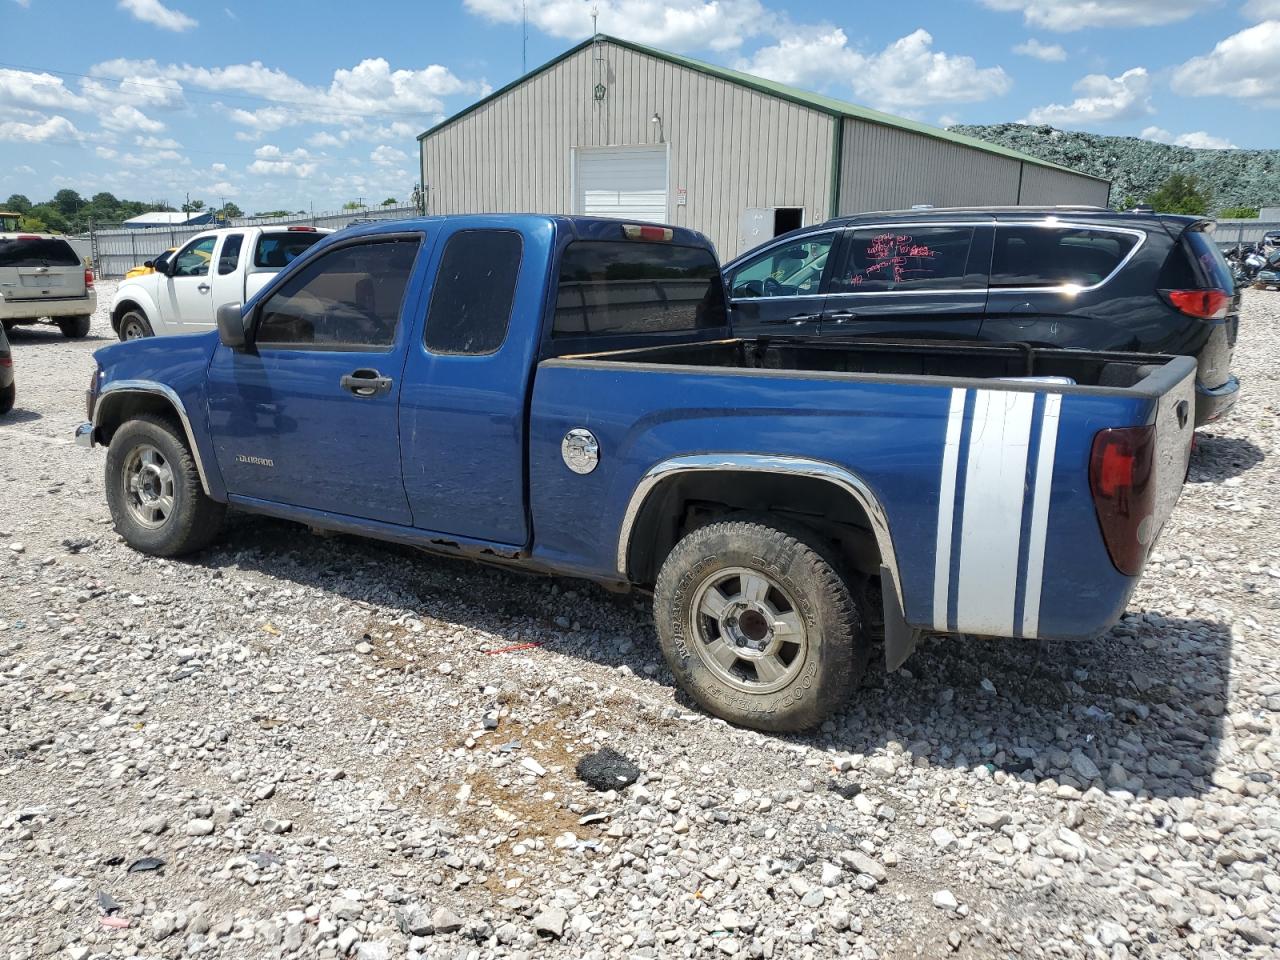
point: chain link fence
(116, 249)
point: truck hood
(168, 360)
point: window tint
(905, 258)
(275, 251)
(471, 298)
(787, 271)
(1210, 263)
(40, 252)
(1054, 256)
(229, 258)
(616, 287)
(348, 298)
(193, 259)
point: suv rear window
(1034, 256)
(40, 252)
(1196, 263)
(275, 251)
(619, 287)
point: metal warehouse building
(616, 129)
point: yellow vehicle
(9, 221)
(149, 266)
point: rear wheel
(134, 326)
(154, 492)
(758, 625)
(75, 328)
(7, 396)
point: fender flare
(119, 389)
(849, 482)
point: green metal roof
(805, 98)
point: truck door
(306, 416)
(227, 278)
(185, 295)
(919, 281)
(462, 410)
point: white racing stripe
(991, 526)
(1040, 514)
(946, 509)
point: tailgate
(46, 283)
(1175, 424)
(33, 267)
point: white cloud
(157, 143)
(1067, 15)
(1262, 9)
(157, 14)
(1199, 139)
(674, 24)
(388, 156)
(1245, 65)
(217, 169)
(1048, 52)
(281, 168)
(123, 118)
(1101, 99)
(106, 153)
(43, 90)
(269, 151)
(51, 128)
(323, 139)
(907, 73)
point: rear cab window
(275, 251)
(620, 287)
(1057, 256)
(37, 252)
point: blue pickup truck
(566, 395)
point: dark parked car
(1081, 277)
(7, 391)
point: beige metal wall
(1041, 185)
(884, 168)
(731, 147)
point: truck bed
(910, 360)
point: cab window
(193, 260)
(791, 270)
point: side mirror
(231, 326)
(149, 264)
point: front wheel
(75, 328)
(154, 492)
(134, 326)
(758, 625)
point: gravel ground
(324, 747)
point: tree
(67, 202)
(17, 203)
(1181, 193)
(48, 218)
(390, 202)
(273, 213)
(1239, 213)
(229, 211)
(193, 206)
(353, 205)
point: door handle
(797, 320)
(840, 316)
(365, 383)
(203, 287)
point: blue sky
(286, 103)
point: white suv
(43, 278)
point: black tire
(193, 520)
(825, 664)
(134, 326)
(75, 328)
(7, 397)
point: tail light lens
(1121, 478)
(6, 360)
(88, 279)
(640, 231)
(1201, 304)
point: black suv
(1080, 277)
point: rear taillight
(6, 361)
(88, 278)
(1202, 304)
(302, 230)
(1124, 493)
(640, 231)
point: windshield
(275, 251)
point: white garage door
(629, 183)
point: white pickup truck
(184, 290)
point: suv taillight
(1121, 477)
(88, 279)
(1201, 304)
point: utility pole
(524, 37)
